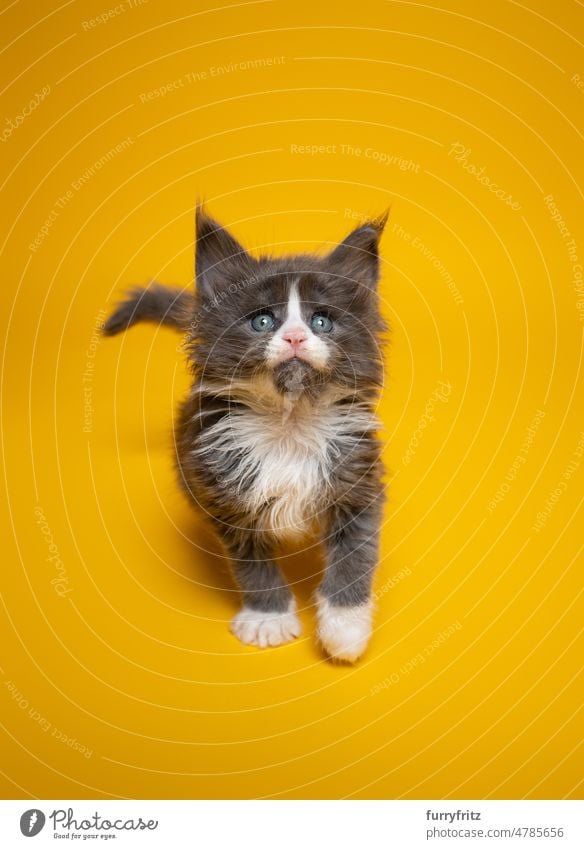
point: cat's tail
(158, 304)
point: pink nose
(295, 337)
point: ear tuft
(357, 256)
(219, 256)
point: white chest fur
(280, 460)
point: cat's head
(298, 321)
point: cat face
(300, 322)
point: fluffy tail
(158, 304)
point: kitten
(277, 437)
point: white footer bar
(293, 824)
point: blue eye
(321, 323)
(262, 322)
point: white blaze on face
(295, 338)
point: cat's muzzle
(294, 376)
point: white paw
(344, 631)
(263, 629)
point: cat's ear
(357, 256)
(219, 258)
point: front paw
(263, 628)
(344, 631)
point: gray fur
(330, 408)
(157, 304)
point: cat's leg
(268, 616)
(345, 608)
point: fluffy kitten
(277, 437)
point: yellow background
(122, 679)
